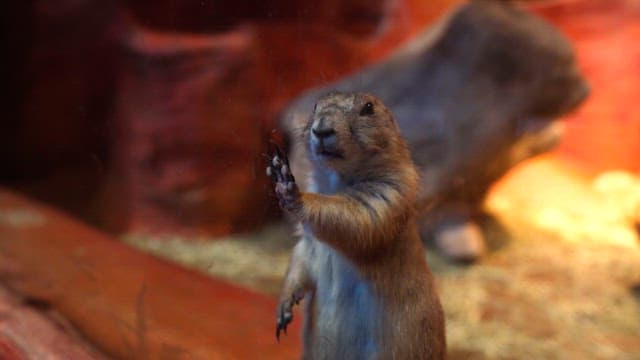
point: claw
(286, 174)
(279, 152)
(278, 332)
(280, 326)
(277, 149)
(272, 173)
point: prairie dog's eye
(367, 109)
(315, 106)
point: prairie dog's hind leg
(297, 283)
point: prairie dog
(359, 263)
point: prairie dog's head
(348, 130)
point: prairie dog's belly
(343, 310)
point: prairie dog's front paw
(285, 184)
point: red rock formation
(188, 131)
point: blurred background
(147, 123)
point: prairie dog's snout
(323, 138)
(322, 130)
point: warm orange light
(547, 193)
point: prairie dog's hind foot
(285, 313)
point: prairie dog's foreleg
(297, 283)
(354, 222)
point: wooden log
(29, 331)
(129, 304)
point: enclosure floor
(561, 280)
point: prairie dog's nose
(322, 132)
(321, 128)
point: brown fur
(360, 262)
